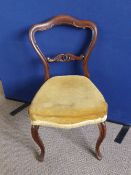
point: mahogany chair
(67, 101)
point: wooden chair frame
(65, 20)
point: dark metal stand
(19, 109)
(119, 138)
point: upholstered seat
(68, 101)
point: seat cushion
(68, 101)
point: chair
(67, 101)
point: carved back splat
(62, 20)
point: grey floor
(68, 152)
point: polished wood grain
(62, 20)
(102, 131)
(37, 139)
(65, 57)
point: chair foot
(102, 130)
(38, 141)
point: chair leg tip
(99, 156)
(40, 158)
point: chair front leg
(37, 139)
(102, 130)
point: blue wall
(21, 70)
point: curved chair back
(64, 20)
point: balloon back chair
(68, 101)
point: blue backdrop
(21, 70)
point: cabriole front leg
(37, 139)
(102, 134)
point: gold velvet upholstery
(67, 102)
